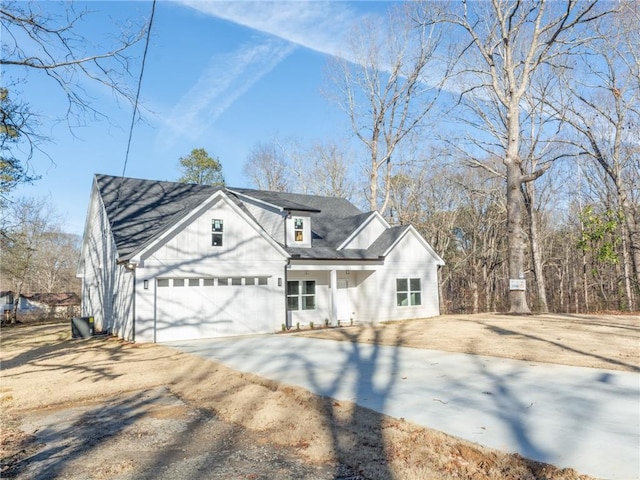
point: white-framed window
(223, 282)
(408, 292)
(236, 280)
(207, 282)
(217, 230)
(298, 229)
(301, 295)
(163, 282)
(178, 282)
(194, 282)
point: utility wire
(135, 105)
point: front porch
(326, 294)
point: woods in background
(507, 133)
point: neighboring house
(60, 305)
(166, 261)
(6, 300)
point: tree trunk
(626, 269)
(474, 296)
(529, 194)
(373, 176)
(632, 230)
(516, 237)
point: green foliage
(13, 119)
(600, 234)
(198, 167)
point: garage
(193, 308)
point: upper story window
(298, 229)
(217, 230)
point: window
(178, 282)
(216, 232)
(163, 282)
(223, 282)
(298, 227)
(194, 282)
(207, 282)
(236, 281)
(301, 295)
(408, 292)
(263, 281)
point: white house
(168, 261)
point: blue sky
(219, 75)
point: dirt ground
(102, 408)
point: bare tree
(321, 168)
(20, 241)
(505, 44)
(385, 84)
(266, 167)
(604, 113)
(55, 262)
(47, 38)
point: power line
(135, 105)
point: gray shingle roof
(386, 239)
(140, 210)
(283, 200)
(328, 253)
(332, 230)
(332, 221)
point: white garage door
(192, 308)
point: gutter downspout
(133, 309)
(285, 278)
(286, 298)
(131, 267)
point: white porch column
(334, 296)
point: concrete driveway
(583, 418)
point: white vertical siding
(409, 259)
(271, 220)
(322, 311)
(166, 313)
(369, 234)
(122, 305)
(98, 267)
(191, 246)
(368, 297)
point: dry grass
(42, 368)
(596, 341)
